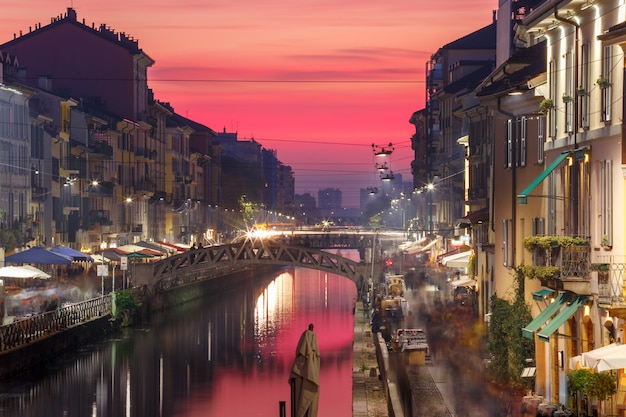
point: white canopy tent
(463, 282)
(413, 244)
(23, 272)
(458, 260)
(608, 357)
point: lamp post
(430, 187)
(373, 259)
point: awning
(422, 249)
(542, 294)
(561, 318)
(523, 196)
(38, 255)
(474, 217)
(529, 331)
(465, 282)
(71, 253)
(458, 260)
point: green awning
(523, 196)
(542, 294)
(562, 317)
(545, 315)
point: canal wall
(193, 289)
(39, 351)
(42, 349)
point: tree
(247, 211)
(598, 385)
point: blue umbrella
(73, 254)
(38, 255)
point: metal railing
(28, 329)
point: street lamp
(430, 187)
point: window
(541, 131)
(552, 112)
(515, 142)
(583, 89)
(505, 241)
(568, 98)
(539, 226)
(508, 142)
(551, 205)
(604, 82)
(539, 229)
(605, 203)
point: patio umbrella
(606, 358)
(73, 254)
(37, 273)
(157, 247)
(38, 255)
(141, 249)
(138, 255)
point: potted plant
(600, 267)
(546, 105)
(566, 98)
(581, 91)
(541, 272)
(602, 82)
(584, 383)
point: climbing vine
(509, 349)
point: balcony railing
(558, 260)
(611, 285)
(102, 149)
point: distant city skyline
(319, 85)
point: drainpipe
(554, 342)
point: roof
(527, 64)
(103, 31)
(484, 38)
(470, 81)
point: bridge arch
(213, 261)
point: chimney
(71, 14)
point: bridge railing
(28, 329)
(218, 260)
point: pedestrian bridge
(214, 261)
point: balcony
(146, 155)
(560, 262)
(145, 186)
(100, 217)
(611, 286)
(101, 150)
(102, 189)
(39, 194)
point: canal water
(227, 355)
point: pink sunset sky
(318, 81)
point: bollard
(282, 409)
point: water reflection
(225, 355)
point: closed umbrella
(305, 376)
